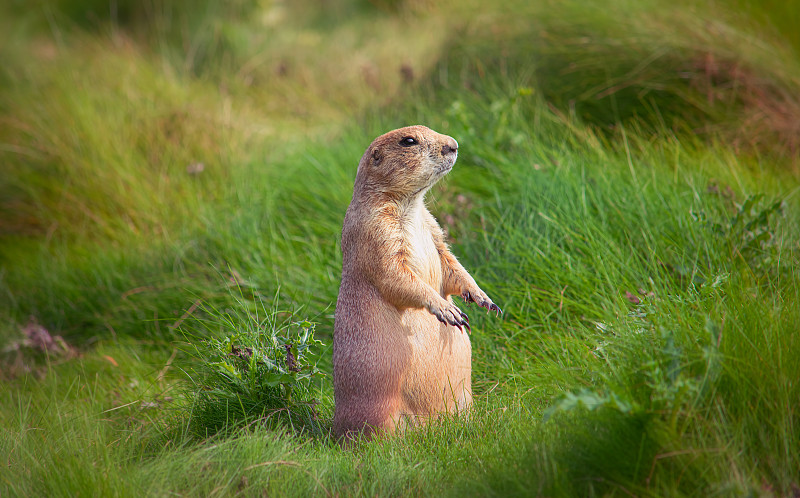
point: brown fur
(400, 355)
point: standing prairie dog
(400, 354)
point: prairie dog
(400, 352)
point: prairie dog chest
(423, 258)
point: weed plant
(252, 366)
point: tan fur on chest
(423, 258)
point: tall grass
(646, 260)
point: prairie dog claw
(482, 301)
(452, 316)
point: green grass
(626, 190)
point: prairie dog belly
(439, 374)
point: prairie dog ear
(376, 155)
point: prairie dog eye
(408, 141)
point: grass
(261, 370)
(625, 190)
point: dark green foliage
(749, 234)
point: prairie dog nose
(450, 147)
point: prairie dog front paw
(450, 314)
(477, 296)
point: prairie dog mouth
(445, 167)
(448, 163)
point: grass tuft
(252, 366)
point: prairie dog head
(406, 161)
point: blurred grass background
(626, 190)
